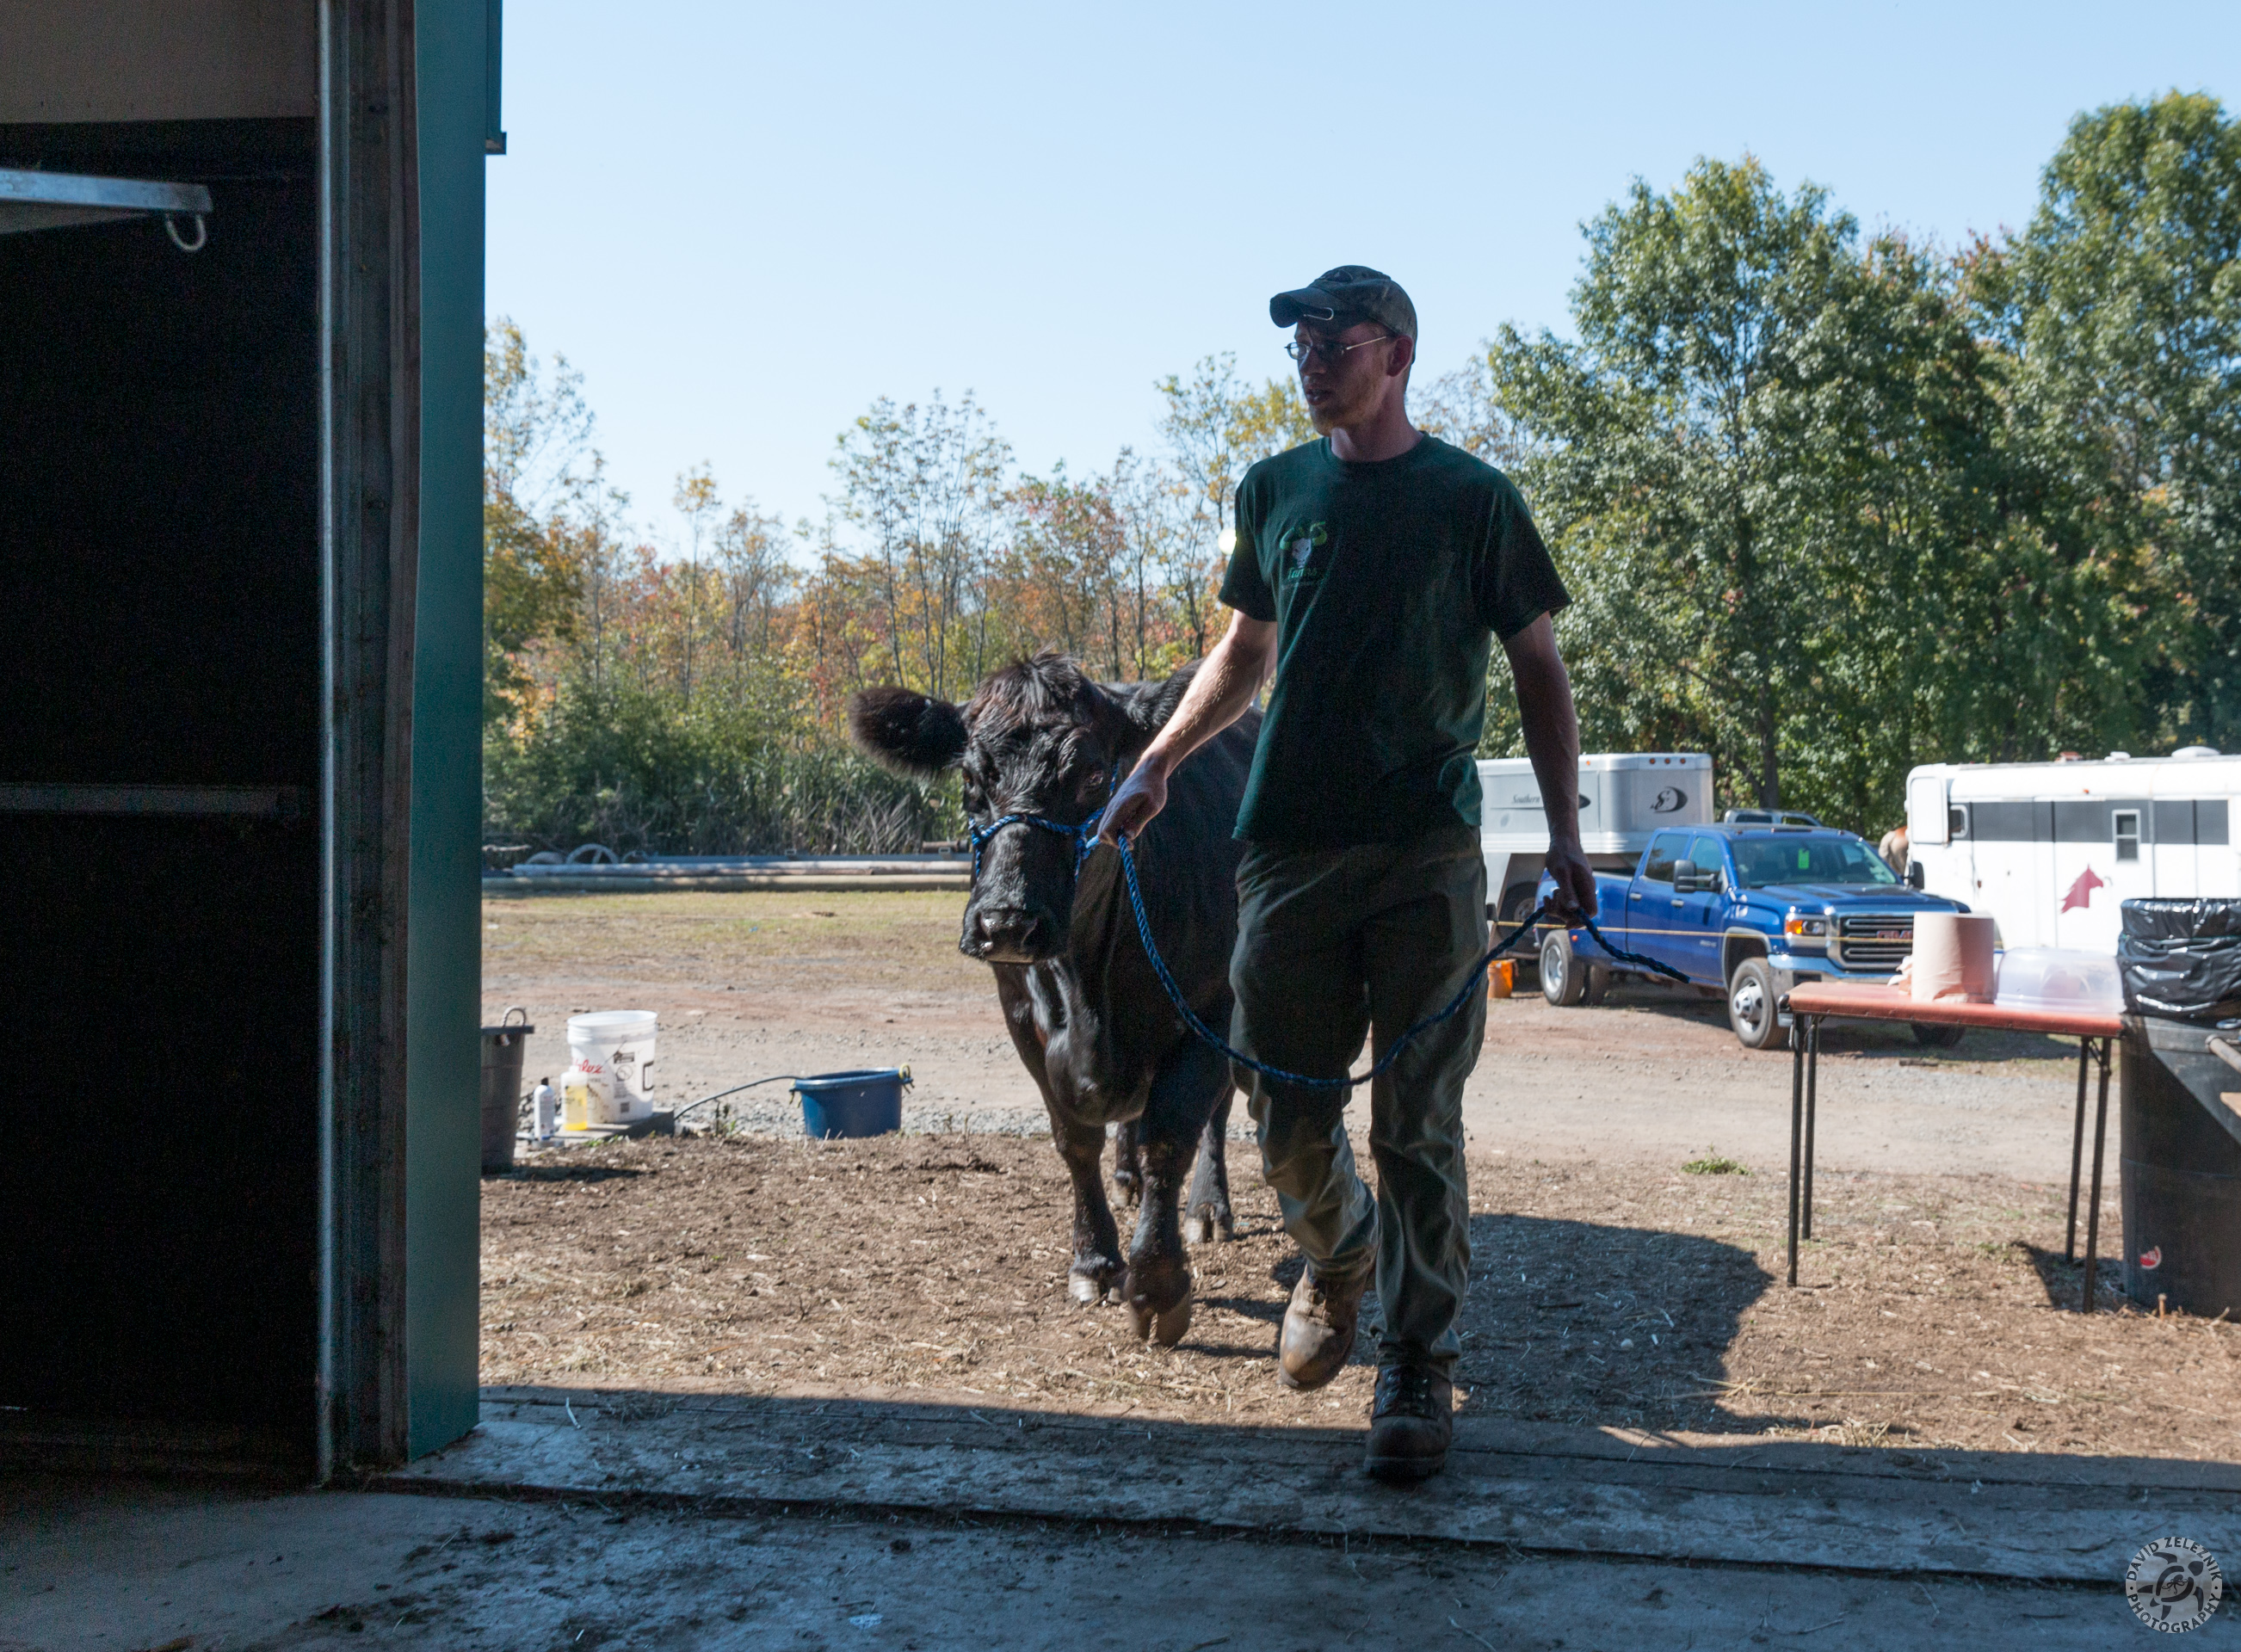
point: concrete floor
(141, 1566)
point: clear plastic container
(2047, 978)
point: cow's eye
(1094, 778)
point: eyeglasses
(1330, 349)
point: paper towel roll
(1953, 957)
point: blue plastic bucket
(865, 1102)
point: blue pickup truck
(1746, 908)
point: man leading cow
(1372, 571)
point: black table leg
(1812, 1087)
(2077, 1151)
(2093, 1210)
(1797, 1127)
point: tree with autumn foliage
(1830, 504)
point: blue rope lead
(1085, 837)
(1393, 1052)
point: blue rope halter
(1085, 837)
(1086, 833)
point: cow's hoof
(1203, 1227)
(1169, 1328)
(1163, 1329)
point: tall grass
(634, 770)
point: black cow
(1087, 1014)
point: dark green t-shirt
(1388, 583)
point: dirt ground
(1932, 1312)
(750, 985)
(1609, 1286)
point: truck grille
(1872, 940)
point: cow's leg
(1158, 1290)
(1128, 1160)
(1184, 1092)
(1097, 1267)
(1206, 1215)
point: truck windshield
(1760, 861)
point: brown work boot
(1411, 1423)
(1319, 1328)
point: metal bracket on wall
(200, 802)
(493, 77)
(32, 200)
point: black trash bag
(2182, 958)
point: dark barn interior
(170, 960)
(239, 504)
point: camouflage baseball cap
(1341, 298)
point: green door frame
(402, 113)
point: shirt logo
(1300, 549)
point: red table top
(1876, 1003)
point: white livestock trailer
(2051, 850)
(1624, 796)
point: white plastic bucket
(610, 1079)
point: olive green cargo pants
(1330, 944)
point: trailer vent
(1872, 940)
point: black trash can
(2180, 1137)
(503, 1047)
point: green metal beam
(443, 1139)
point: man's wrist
(1157, 758)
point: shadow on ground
(1577, 1321)
(1583, 1323)
(572, 1172)
(2064, 1277)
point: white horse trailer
(1624, 796)
(2052, 849)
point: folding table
(1809, 1006)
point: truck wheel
(1939, 1037)
(1750, 1005)
(1563, 977)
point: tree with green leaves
(1683, 450)
(549, 515)
(923, 489)
(1216, 427)
(2122, 303)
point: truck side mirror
(1916, 877)
(1685, 878)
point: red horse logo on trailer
(2081, 892)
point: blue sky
(742, 223)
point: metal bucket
(503, 1047)
(2181, 1157)
(864, 1102)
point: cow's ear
(1164, 700)
(911, 734)
(1148, 706)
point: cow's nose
(1006, 935)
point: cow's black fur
(1085, 1010)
